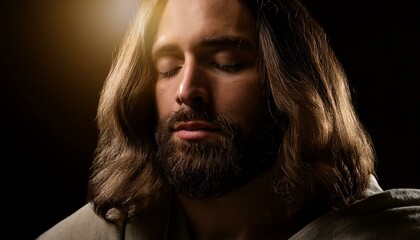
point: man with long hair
(233, 120)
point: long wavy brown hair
(325, 153)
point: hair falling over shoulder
(325, 154)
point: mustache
(185, 115)
(222, 121)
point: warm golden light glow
(82, 35)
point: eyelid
(167, 66)
(231, 60)
(170, 73)
(230, 68)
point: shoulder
(161, 219)
(82, 224)
(390, 214)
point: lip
(194, 130)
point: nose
(193, 89)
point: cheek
(243, 101)
(163, 101)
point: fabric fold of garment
(382, 214)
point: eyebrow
(227, 41)
(166, 49)
(217, 41)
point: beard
(219, 165)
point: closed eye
(231, 68)
(170, 73)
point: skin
(200, 65)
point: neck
(252, 212)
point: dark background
(55, 55)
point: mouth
(194, 130)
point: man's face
(209, 101)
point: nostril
(197, 101)
(193, 96)
(194, 101)
(179, 100)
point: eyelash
(169, 73)
(232, 68)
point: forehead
(190, 21)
